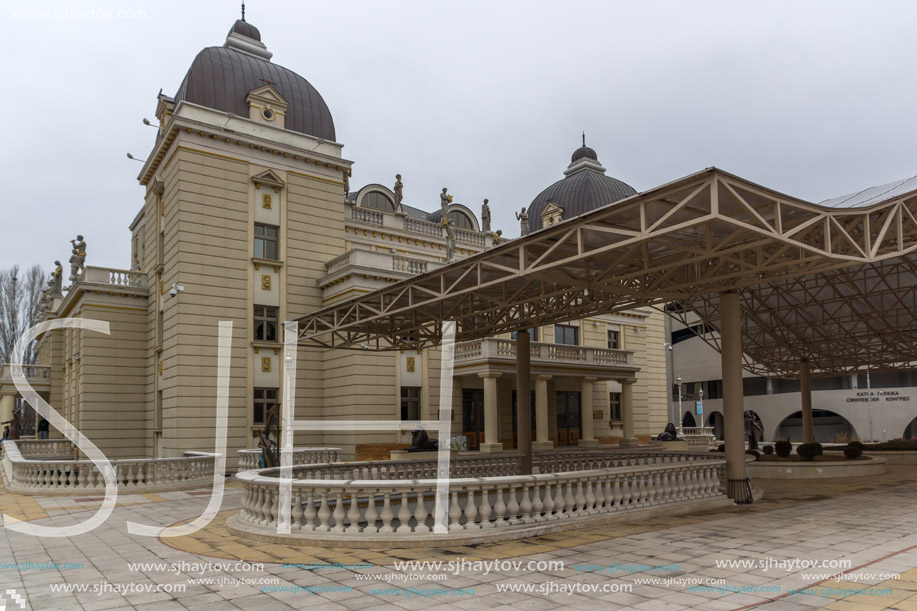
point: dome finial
(584, 133)
(243, 10)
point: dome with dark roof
(584, 187)
(584, 151)
(222, 77)
(246, 29)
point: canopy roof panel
(698, 236)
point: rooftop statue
(78, 259)
(399, 189)
(485, 217)
(57, 281)
(444, 200)
(523, 219)
(450, 241)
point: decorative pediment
(552, 214)
(266, 105)
(268, 95)
(268, 178)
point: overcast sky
(814, 99)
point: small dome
(246, 29)
(585, 187)
(584, 151)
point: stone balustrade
(45, 448)
(424, 227)
(492, 348)
(46, 476)
(367, 215)
(113, 277)
(698, 435)
(469, 237)
(354, 510)
(408, 265)
(401, 222)
(31, 372)
(249, 459)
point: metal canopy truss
(701, 235)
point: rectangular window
(410, 403)
(614, 340)
(566, 334)
(265, 242)
(614, 402)
(533, 334)
(265, 324)
(265, 399)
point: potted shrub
(768, 449)
(853, 451)
(808, 451)
(783, 448)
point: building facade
(248, 217)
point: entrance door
(568, 418)
(473, 417)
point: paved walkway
(669, 564)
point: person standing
(43, 428)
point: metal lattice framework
(834, 284)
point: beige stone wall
(110, 379)
(207, 230)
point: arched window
(378, 201)
(460, 219)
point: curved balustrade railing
(141, 474)
(44, 448)
(359, 507)
(249, 459)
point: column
(738, 486)
(491, 412)
(627, 413)
(805, 384)
(7, 405)
(587, 432)
(542, 430)
(524, 401)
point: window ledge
(277, 264)
(258, 344)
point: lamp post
(678, 381)
(668, 346)
(700, 397)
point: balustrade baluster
(485, 509)
(455, 511)
(353, 515)
(324, 514)
(371, 513)
(404, 516)
(387, 514)
(421, 513)
(499, 508)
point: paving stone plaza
(866, 521)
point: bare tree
(20, 298)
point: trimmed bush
(853, 452)
(818, 449)
(783, 448)
(808, 451)
(768, 449)
(721, 447)
(856, 444)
